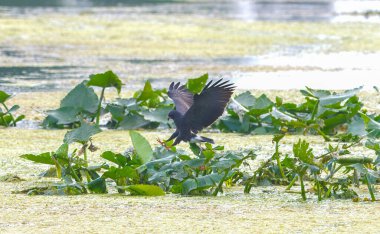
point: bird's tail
(197, 138)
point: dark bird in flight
(194, 112)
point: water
(35, 67)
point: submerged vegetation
(339, 118)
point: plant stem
(370, 188)
(356, 178)
(303, 194)
(315, 110)
(327, 194)
(215, 193)
(325, 137)
(292, 182)
(73, 172)
(86, 162)
(75, 175)
(277, 156)
(99, 107)
(333, 172)
(13, 119)
(318, 188)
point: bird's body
(195, 112)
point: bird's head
(174, 115)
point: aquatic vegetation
(6, 116)
(104, 80)
(338, 118)
(323, 112)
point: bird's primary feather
(208, 105)
(183, 98)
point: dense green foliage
(336, 117)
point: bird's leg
(177, 141)
(174, 135)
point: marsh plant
(338, 118)
(7, 117)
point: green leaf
(262, 102)
(204, 182)
(133, 121)
(348, 160)
(65, 115)
(44, 158)
(372, 126)
(117, 173)
(117, 111)
(336, 98)
(188, 186)
(5, 120)
(145, 190)
(302, 151)
(357, 126)
(81, 134)
(195, 149)
(98, 185)
(19, 118)
(149, 97)
(81, 97)
(246, 99)
(13, 108)
(104, 80)
(142, 146)
(159, 115)
(196, 85)
(63, 151)
(4, 96)
(118, 159)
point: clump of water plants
(338, 118)
(7, 117)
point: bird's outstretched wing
(208, 105)
(183, 98)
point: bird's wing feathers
(208, 105)
(183, 98)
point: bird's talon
(163, 143)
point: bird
(193, 112)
